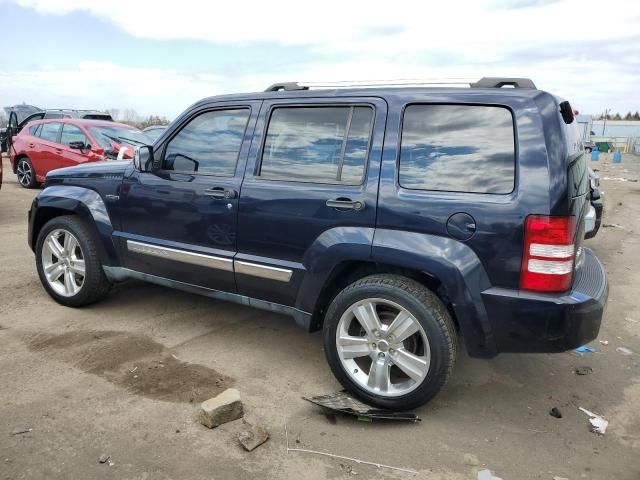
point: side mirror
(143, 158)
(79, 145)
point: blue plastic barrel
(617, 157)
(595, 154)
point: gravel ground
(124, 378)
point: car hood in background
(106, 169)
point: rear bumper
(530, 322)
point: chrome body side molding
(263, 271)
(211, 261)
(183, 256)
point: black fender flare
(87, 204)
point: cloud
(552, 42)
(105, 85)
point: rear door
(313, 170)
(47, 153)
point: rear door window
(49, 131)
(34, 129)
(458, 148)
(317, 144)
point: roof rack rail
(484, 82)
(286, 86)
(499, 82)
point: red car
(45, 145)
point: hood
(94, 170)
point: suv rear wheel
(68, 262)
(390, 340)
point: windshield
(154, 133)
(107, 135)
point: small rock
(223, 408)
(555, 412)
(471, 460)
(252, 436)
(104, 458)
(584, 370)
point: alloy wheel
(383, 347)
(24, 173)
(63, 262)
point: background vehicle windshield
(154, 133)
(107, 135)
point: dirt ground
(124, 378)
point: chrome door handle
(219, 192)
(346, 204)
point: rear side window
(71, 133)
(458, 148)
(33, 130)
(208, 144)
(49, 131)
(317, 144)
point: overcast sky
(159, 57)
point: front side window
(458, 148)
(49, 131)
(71, 133)
(209, 144)
(317, 144)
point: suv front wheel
(390, 340)
(69, 264)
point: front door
(180, 221)
(311, 183)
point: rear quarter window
(458, 148)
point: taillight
(549, 253)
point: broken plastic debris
(612, 225)
(487, 475)
(585, 349)
(624, 351)
(598, 424)
(344, 403)
(604, 342)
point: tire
(428, 354)
(71, 287)
(26, 173)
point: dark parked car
(46, 145)
(395, 219)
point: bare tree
(130, 116)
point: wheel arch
(17, 159)
(84, 203)
(447, 267)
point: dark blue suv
(395, 219)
